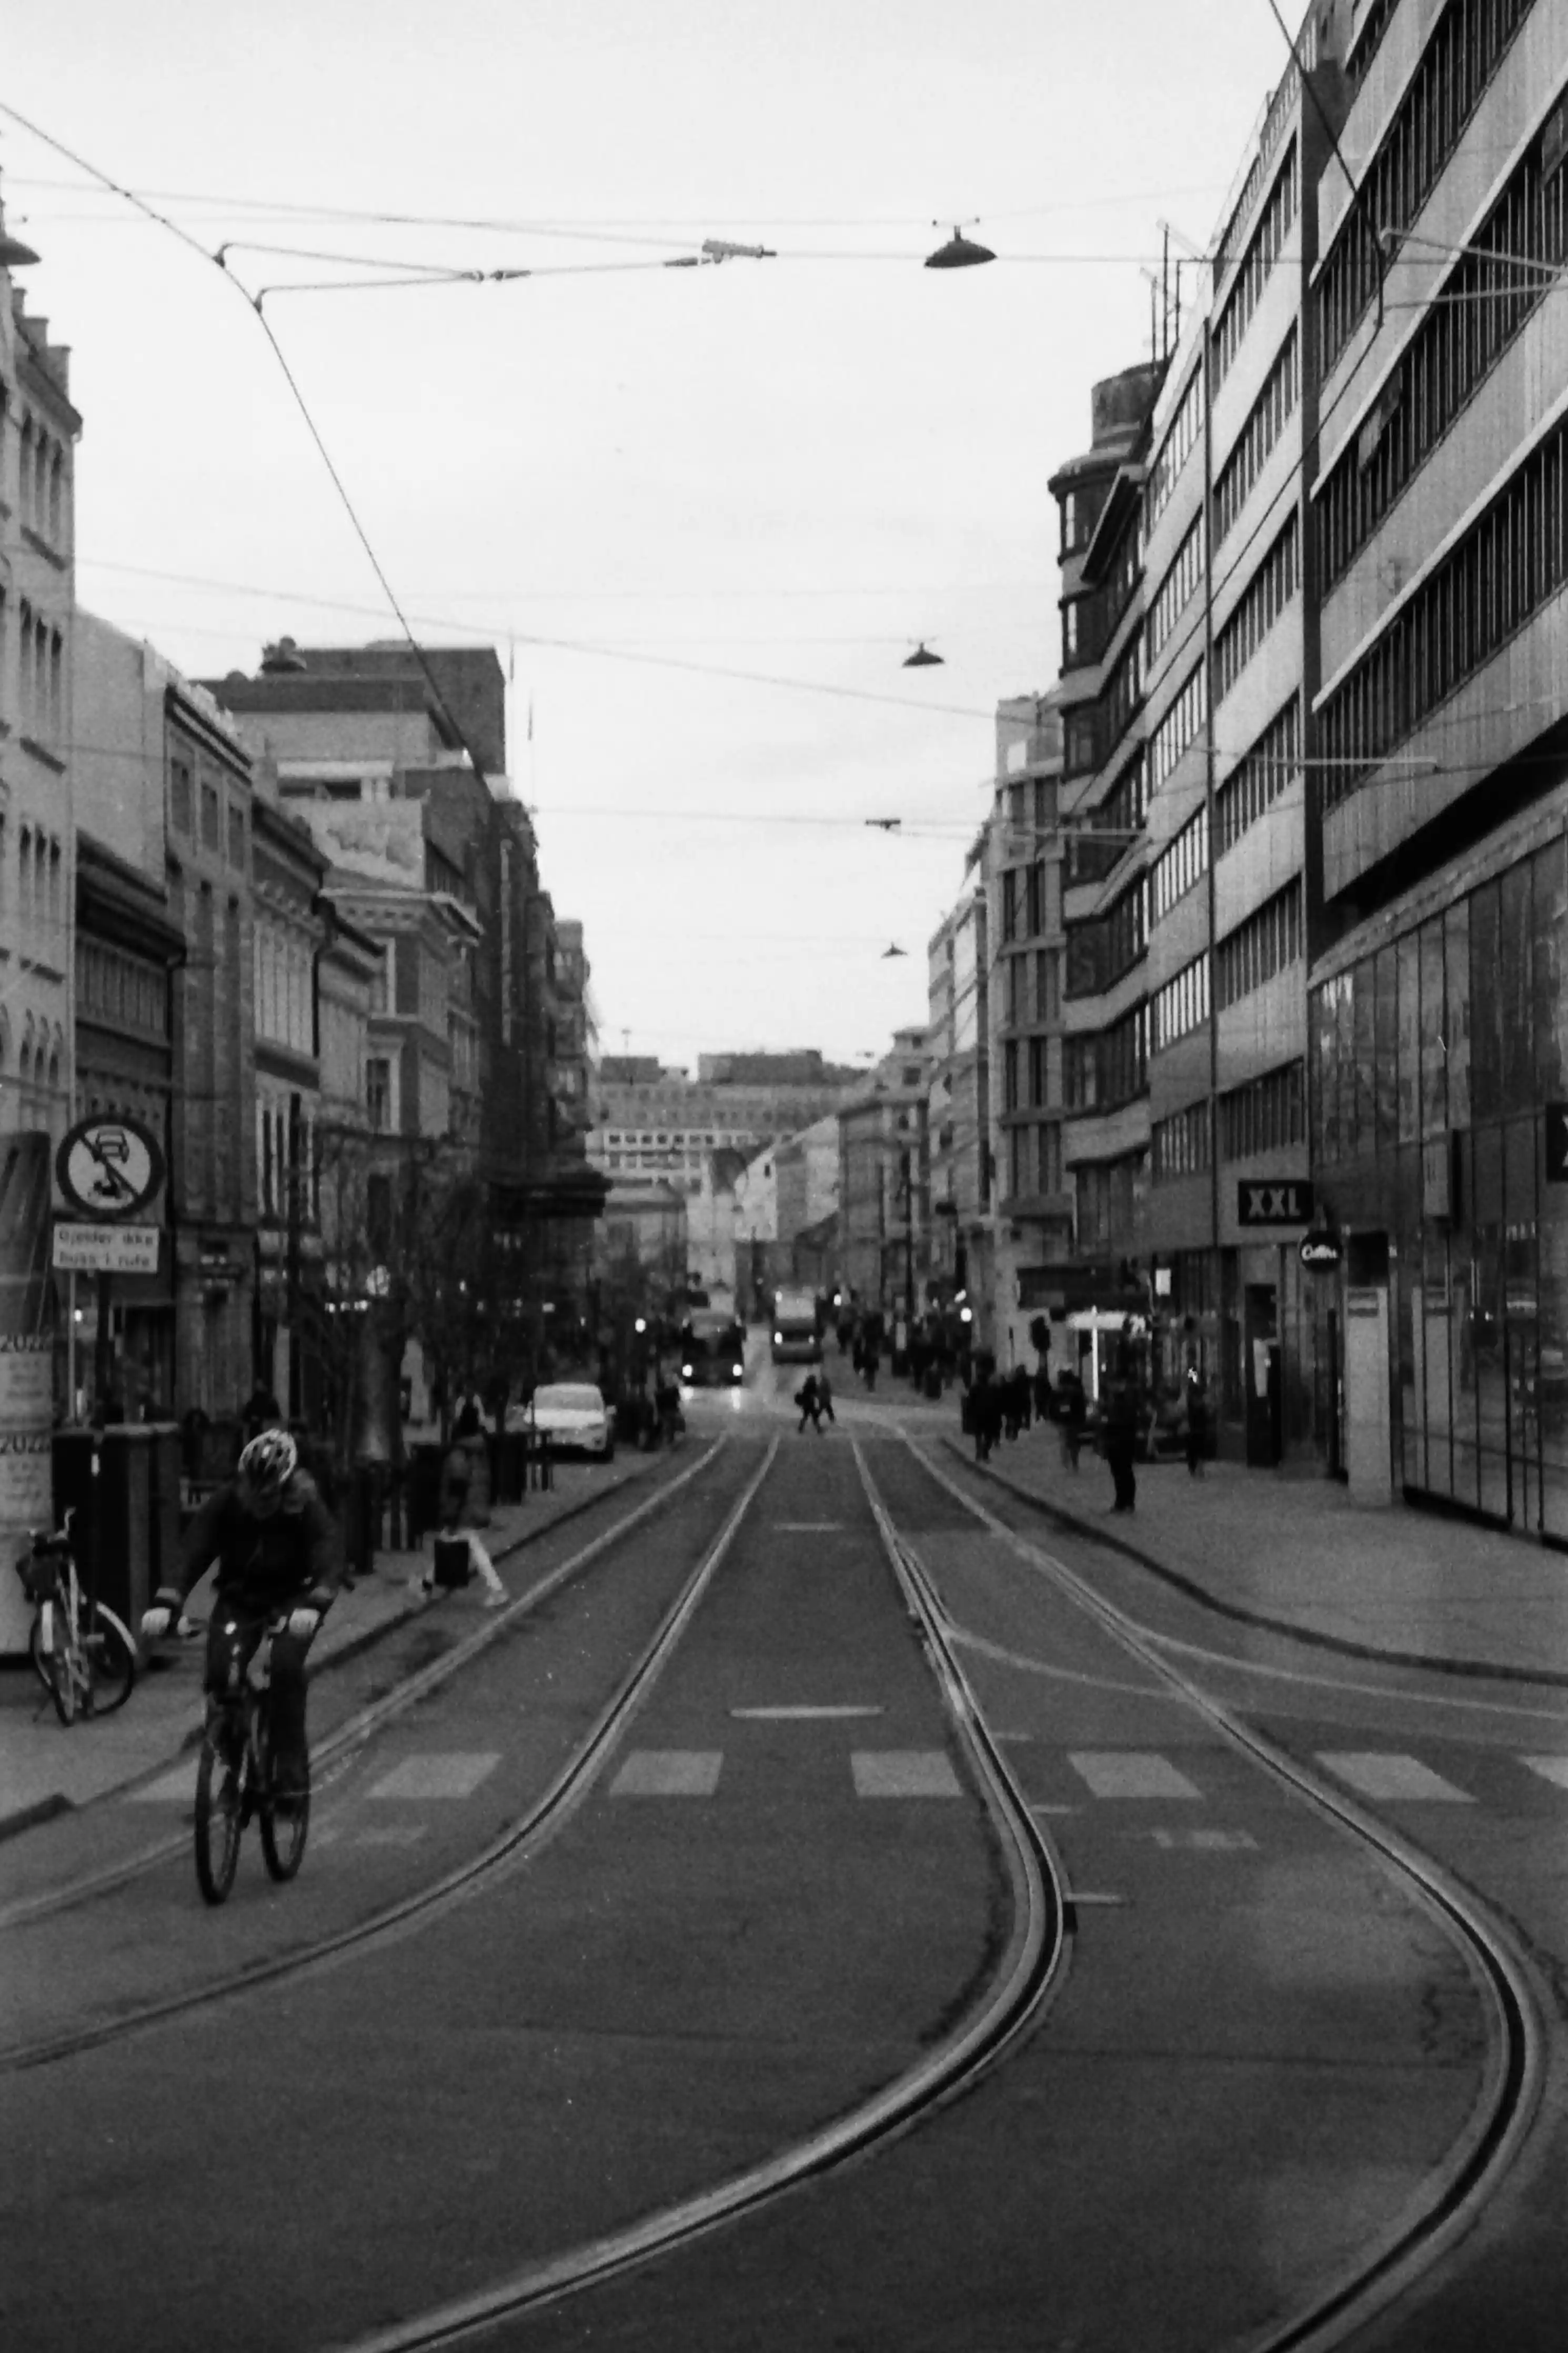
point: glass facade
(1436, 1061)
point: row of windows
(1263, 249)
(1177, 729)
(1263, 600)
(1266, 1115)
(1080, 511)
(1181, 577)
(40, 1057)
(40, 875)
(183, 814)
(288, 1162)
(1181, 1006)
(41, 477)
(1463, 1021)
(1275, 404)
(119, 988)
(1101, 950)
(1459, 60)
(1479, 308)
(1180, 866)
(1260, 777)
(1264, 945)
(284, 975)
(1034, 1159)
(1107, 1066)
(1510, 561)
(1109, 1200)
(41, 665)
(1112, 826)
(1033, 987)
(1175, 450)
(1030, 899)
(1179, 1146)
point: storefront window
(1326, 1075)
(1550, 989)
(1437, 1321)
(1486, 1033)
(1364, 1030)
(1491, 1384)
(1407, 951)
(1387, 1030)
(1457, 1031)
(1519, 1070)
(1434, 1076)
(1552, 1374)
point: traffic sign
(1557, 1143)
(105, 1249)
(1274, 1201)
(108, 1167)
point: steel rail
(465, 1881)
(1451, 2200)
(356, 1729)
(1009, 2004)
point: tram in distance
(712, 1351)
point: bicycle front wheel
(50, 1648)
(218, 1813)
(110, 1659)
(284, 1822)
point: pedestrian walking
(459, 1554)
(1074, 1417)
(808, 1398)
(824, 1394)
(1198, 1426)
(1120, 1444)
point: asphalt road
(776, 1894)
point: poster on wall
(26, 1370)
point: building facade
(1440, 808)
(884, 1184)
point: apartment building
(1439, 803)
(958, 1117)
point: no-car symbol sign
(110, 1167)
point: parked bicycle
(235, 1778)
(82, 1653)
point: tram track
(1028, 1972)
(1455, 2195)
(521, 1838)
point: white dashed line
(903, 1773)
(669, 1773)
(451, 1773)
(1380, 1773)
(1128, 1773)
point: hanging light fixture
(893, 949)
(960, 253)
(923, 657)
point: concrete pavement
(47, 1767)
(1290, 1551)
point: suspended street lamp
(923, 657)
(960, 253)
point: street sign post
(108, 1168)
(105, 1249)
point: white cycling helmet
(269, 1463)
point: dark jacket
(265, 1562)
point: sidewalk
(46, 1767)
(1290, 1551)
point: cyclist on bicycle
(278, 1552)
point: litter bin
(113, 1528)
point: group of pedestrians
(814, 1398)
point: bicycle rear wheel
(284, 1822)
(51, 1658)
(219, 1810)
(110, 1657)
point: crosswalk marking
(169, 1788)
(1206, 1842)
(450, 1773)
(1379, 1773)
(808, 1527)
(903, 1773)
(1128, 1773)
(1550, 1769)
(669, 1773)
(799, 1715)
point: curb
(1434, 1663)
(47, 1809)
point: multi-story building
(1439, 802)
(648, 1121)
(39, 429)
(884, 1183)
(1228, 664)
(958, 1118)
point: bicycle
(235, 1780)
(82, 1653)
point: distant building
(884, 1182)
(667, 1125)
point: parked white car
(572, 1414)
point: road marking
(450, 1773)
(392, 1834)
(1207, 1841)
(1052, 1810)
(169, 1788)
(1081, 1895)
(1550, 1769)
(1380, 1773)
(808, 1527)
(669, 1773)
(1128, 1773)
(798, 1715)
(903, 1773)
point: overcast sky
(634, 480)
